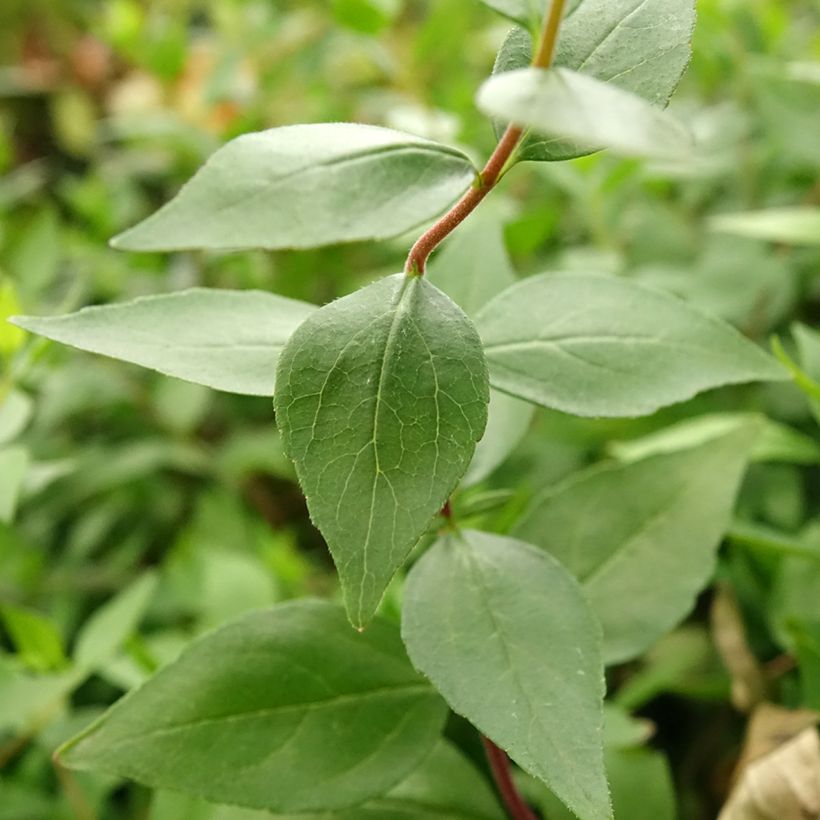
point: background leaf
(504, 633)
(381, 397)
(303, 186)
(791, 226)
(603, 346)
(444, 787)
(307, 715)
(229, 340)
(616, 526)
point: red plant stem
(426, 244)
(488, 178)
(500, 767)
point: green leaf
(36, 638)
(524, 12)
(641, 786)
(381, 397)
(472, 268)
(304, 186)
(14, 462)
(228, 340)
(806, 642)
(287, 709)
(639, 46)
(16, 410)
(776, 442)
(366, 16)
(808, 346)
(112, 624)
(790, 226)
(565, 104)
(642, 537)
(504, 633)
(444, 787)
(603, 346)
(508, 420)
(473, 265)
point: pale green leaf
(776, 442)
(14, 462)
(523, 12)
(473, 265)
(603, 346)
(563, 103)
(472, 268)
(288, 710)
(304, 186)
(642, 46)
(640, 782)
(508, 420)
(113, 623)
(36, 638)
(15, 412)
(381, 397)
(790, 226)
(808, 346)
(642, 537)
(504, 633)
(228, 340)
(444, 787)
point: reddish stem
(487, 179)
(420, 252)
(500, 767)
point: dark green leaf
(287, 709)
(305, 186)
(642, 537)
(504, 633)
(381, 398)
(229, 340)
(603, 346)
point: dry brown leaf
(782, 785)
(729, 635)
(778, 774)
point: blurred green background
(137, 511)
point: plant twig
(488, 178)
(500, 767)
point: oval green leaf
(642, 46)
(565, 104)
(381, 398)
(228, 340)
(642, 537)
(504, 633)
(304, 186)
(602, 346)
(287, 709)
